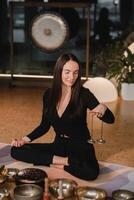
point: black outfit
(81, 155)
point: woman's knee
(91, 172)
(83, 172)
(13, 152)
(22, 154)
(88, 174)
(19, 153)
(91, 175)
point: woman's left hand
(99, 110)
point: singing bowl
(30, 175)
(28, 192)
(122, 194)
(68, 187)
(86, 192)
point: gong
(49, 31)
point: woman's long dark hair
(56, 90)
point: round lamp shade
(103, 89)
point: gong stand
(12, 4)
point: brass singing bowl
(28, 192)
(122, 194)
(30, 175)
(89, 193)
(68, 187)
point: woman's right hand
(99, 110)
(20, 142)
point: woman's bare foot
(58, 160)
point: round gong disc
(49, 31)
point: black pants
(81, 156)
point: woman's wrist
(102, 104)
(26, 139)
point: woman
(64, 108)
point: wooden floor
(20, 112)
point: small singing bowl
(11, 173)
(122, 194)
(68, 187)
(86, 192)
(28, 192)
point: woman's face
(70, 73)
